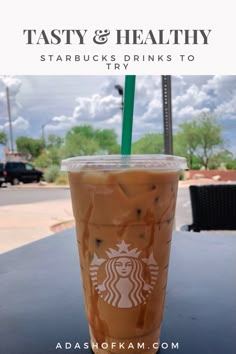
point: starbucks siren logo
(124, 285)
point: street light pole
(43, 132)
(9, 119)
(167, 114)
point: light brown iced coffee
(124, 222)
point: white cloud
(19, 124)
(96, 107)
(154, 110)
(116, 119)
(227, 108)
(193, 96)
(187, 113)
(12, 83)
(62, 118)
(220, 86)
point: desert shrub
(62, 179)
(231, 165)
(52, 173)
(42, 161)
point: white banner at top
(117, 37)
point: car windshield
(28, 167)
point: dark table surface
(41, 301)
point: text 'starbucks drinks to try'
(124, 211)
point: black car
(16, 172)
(2, 173)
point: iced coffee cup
(124, 209)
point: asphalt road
(23, 195)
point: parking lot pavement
(23, 194)
(24, 223)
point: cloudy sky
(60, 102)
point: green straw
(128, 115)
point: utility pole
(9, 119)
(167, 114)
(43, 134)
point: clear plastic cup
(124, 209)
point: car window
(10, 166)
(28, 167)
(15, 166)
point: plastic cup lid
(124, 162)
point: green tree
(54, 141)
(210, 139)
(76, 144)
(43, 160)
(221, 160)
(51, 152)
(231, 164)
(107, 140)
(3, 138)
(48, 158)
(186, 141)
(29, 146)
(55, 155)
(151, 143)
(86, 140)
(201, 138)
(83, 130)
